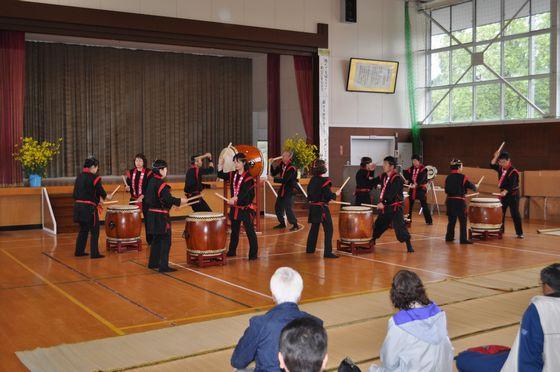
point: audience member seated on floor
(260, 341)
(303, 346)
(537, 345)
(417, 337)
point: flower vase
(34, 180)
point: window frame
(501, 40)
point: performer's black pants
(362, 197)
(149, 236)
(159, 253)
(201, 206)
(245, 218)
(512, 202)
(456, 209)
(285, 204)
(87, 228)
(425, 208)
(391, 216)
(314, 233)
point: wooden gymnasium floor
(49, 297)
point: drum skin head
(355, 208)
(485, 200)
(123, 207)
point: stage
(49, 297)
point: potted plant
(34, 157)
(304, 153)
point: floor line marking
(222, 280)
(71, 298)
(105, 286)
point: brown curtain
(113, 103)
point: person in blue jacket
(260, 342)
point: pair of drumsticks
(301, 188)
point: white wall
(378, 34)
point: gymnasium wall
(533, 146)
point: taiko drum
(355, 224)
(123, 223)
(205, 233)
(485, 214)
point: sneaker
(280, 226)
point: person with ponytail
(159, 201)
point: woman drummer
(319, 194)
(137, 183)
(242, 209)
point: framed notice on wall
(372, 76)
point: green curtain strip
(414, 124)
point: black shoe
(330, 255)
(252, 258)
(310, 252)
(167, 270)
(83, 254)
(153, 267)
(466, 242)
(409, 248)
(429, 223)
(98, 256)
(295, 228)
(230, 254)
(449, 239)
(280, 226)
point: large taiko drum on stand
(485, 215)
(205, 235)
(253, 154)
(123, 223)
(355, 224)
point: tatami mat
(507, 280)
(356, 327)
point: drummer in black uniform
(193, 180)
(159, 201)
(364, 181)
(508, 182)
(242, 208)
(285, 173)
(319, 194)
(417, 177)
(88, 194)
(390, 206)
(456, 185)
(137, 183)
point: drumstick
(479, 182)
(124, 180)
(272, 188)
(188, 204)
(301, 188)
(473, 194)
(339, 202)
(134, 202)
(274, 159)
(228, 146)
(496, 194)
(369, 205)
(344, 184)
(501, 147)
(115, 190)
(221, 197)
(194, 198)
(109, 202)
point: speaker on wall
(349, 11)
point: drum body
(355, 224)
(123, 223)
(205, 233)
(253, 154)
(406, 204)
(485, 214)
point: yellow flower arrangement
(304, 153)
(35, 156)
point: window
(489, 60)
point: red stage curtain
(304, 79)
(12, 95)
(273, 92)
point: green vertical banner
(410, 80)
